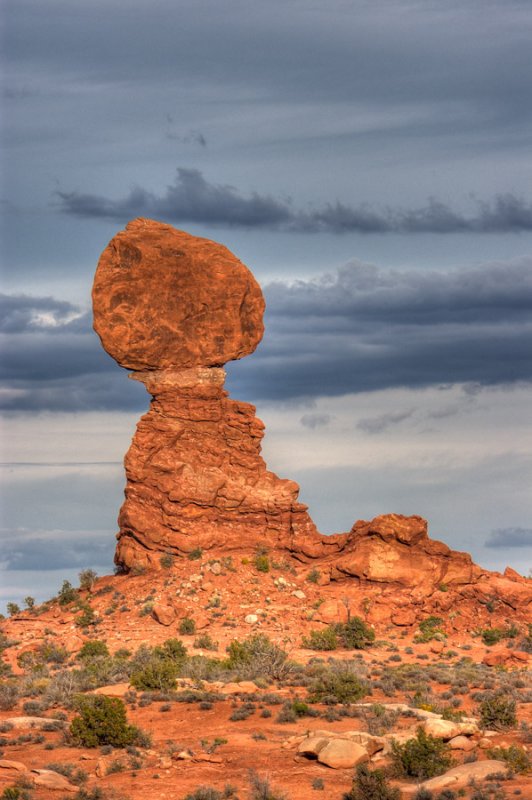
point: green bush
(262, 563)
(516, 758)
(313, 576)
(354, 634)
(491, 636)
(86, 618)
(429, 628)
(205, 642)
(422, 757)
(497, 711)
(102, 720)
(93, 649)
(371, 785)
(338, 684)
(195, 554)
(325, 639)
(67, 594)
(166, 561)
(13, 609)
(158, 673)
(187, 626)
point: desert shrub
(70, 771)
(262, 563)
(371, 785)
(515, 757)
(313, 576)
(158, 673)
(205, 642)
(67, 594)
(257, 656)
(187, 626)
(208, 793)
(337, 684)
(102, 720)
(15, 793)
(422, 757)
(9, 694)
(260, 789)
(93, 649)
(87, 616)
(497, 711)
(354, 634)
(195, 554)
(491, 636)
(173, 649)
(13, 609)
(166, 561)
(326, 639)
(29, 602)
(87, 578)
(52, 653)
(429, 628)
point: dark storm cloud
(365, 328)
(51, 359)
(359, 329)
(510, 537)
(191, 198)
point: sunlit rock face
(174, 308)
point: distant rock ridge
(174, 308)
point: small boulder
(163, 614)
(342, 754)
(251, 619)
(48, 779)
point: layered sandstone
(175, 308)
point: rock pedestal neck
(175, 308)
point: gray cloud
(364, 328)
(191, 198)
(381, 423)
(51, 550)
(315, 420)
(359, 329)
(510, 537)
(20, 313)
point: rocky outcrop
(175, 308)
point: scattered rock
(48, 779)
(342, 754)
(16, 766)
(162, 614)
(251, 619)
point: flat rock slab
(457, 777)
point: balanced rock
(164, 299)
(175, 308)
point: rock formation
(175, 308)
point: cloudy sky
(369, 161)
